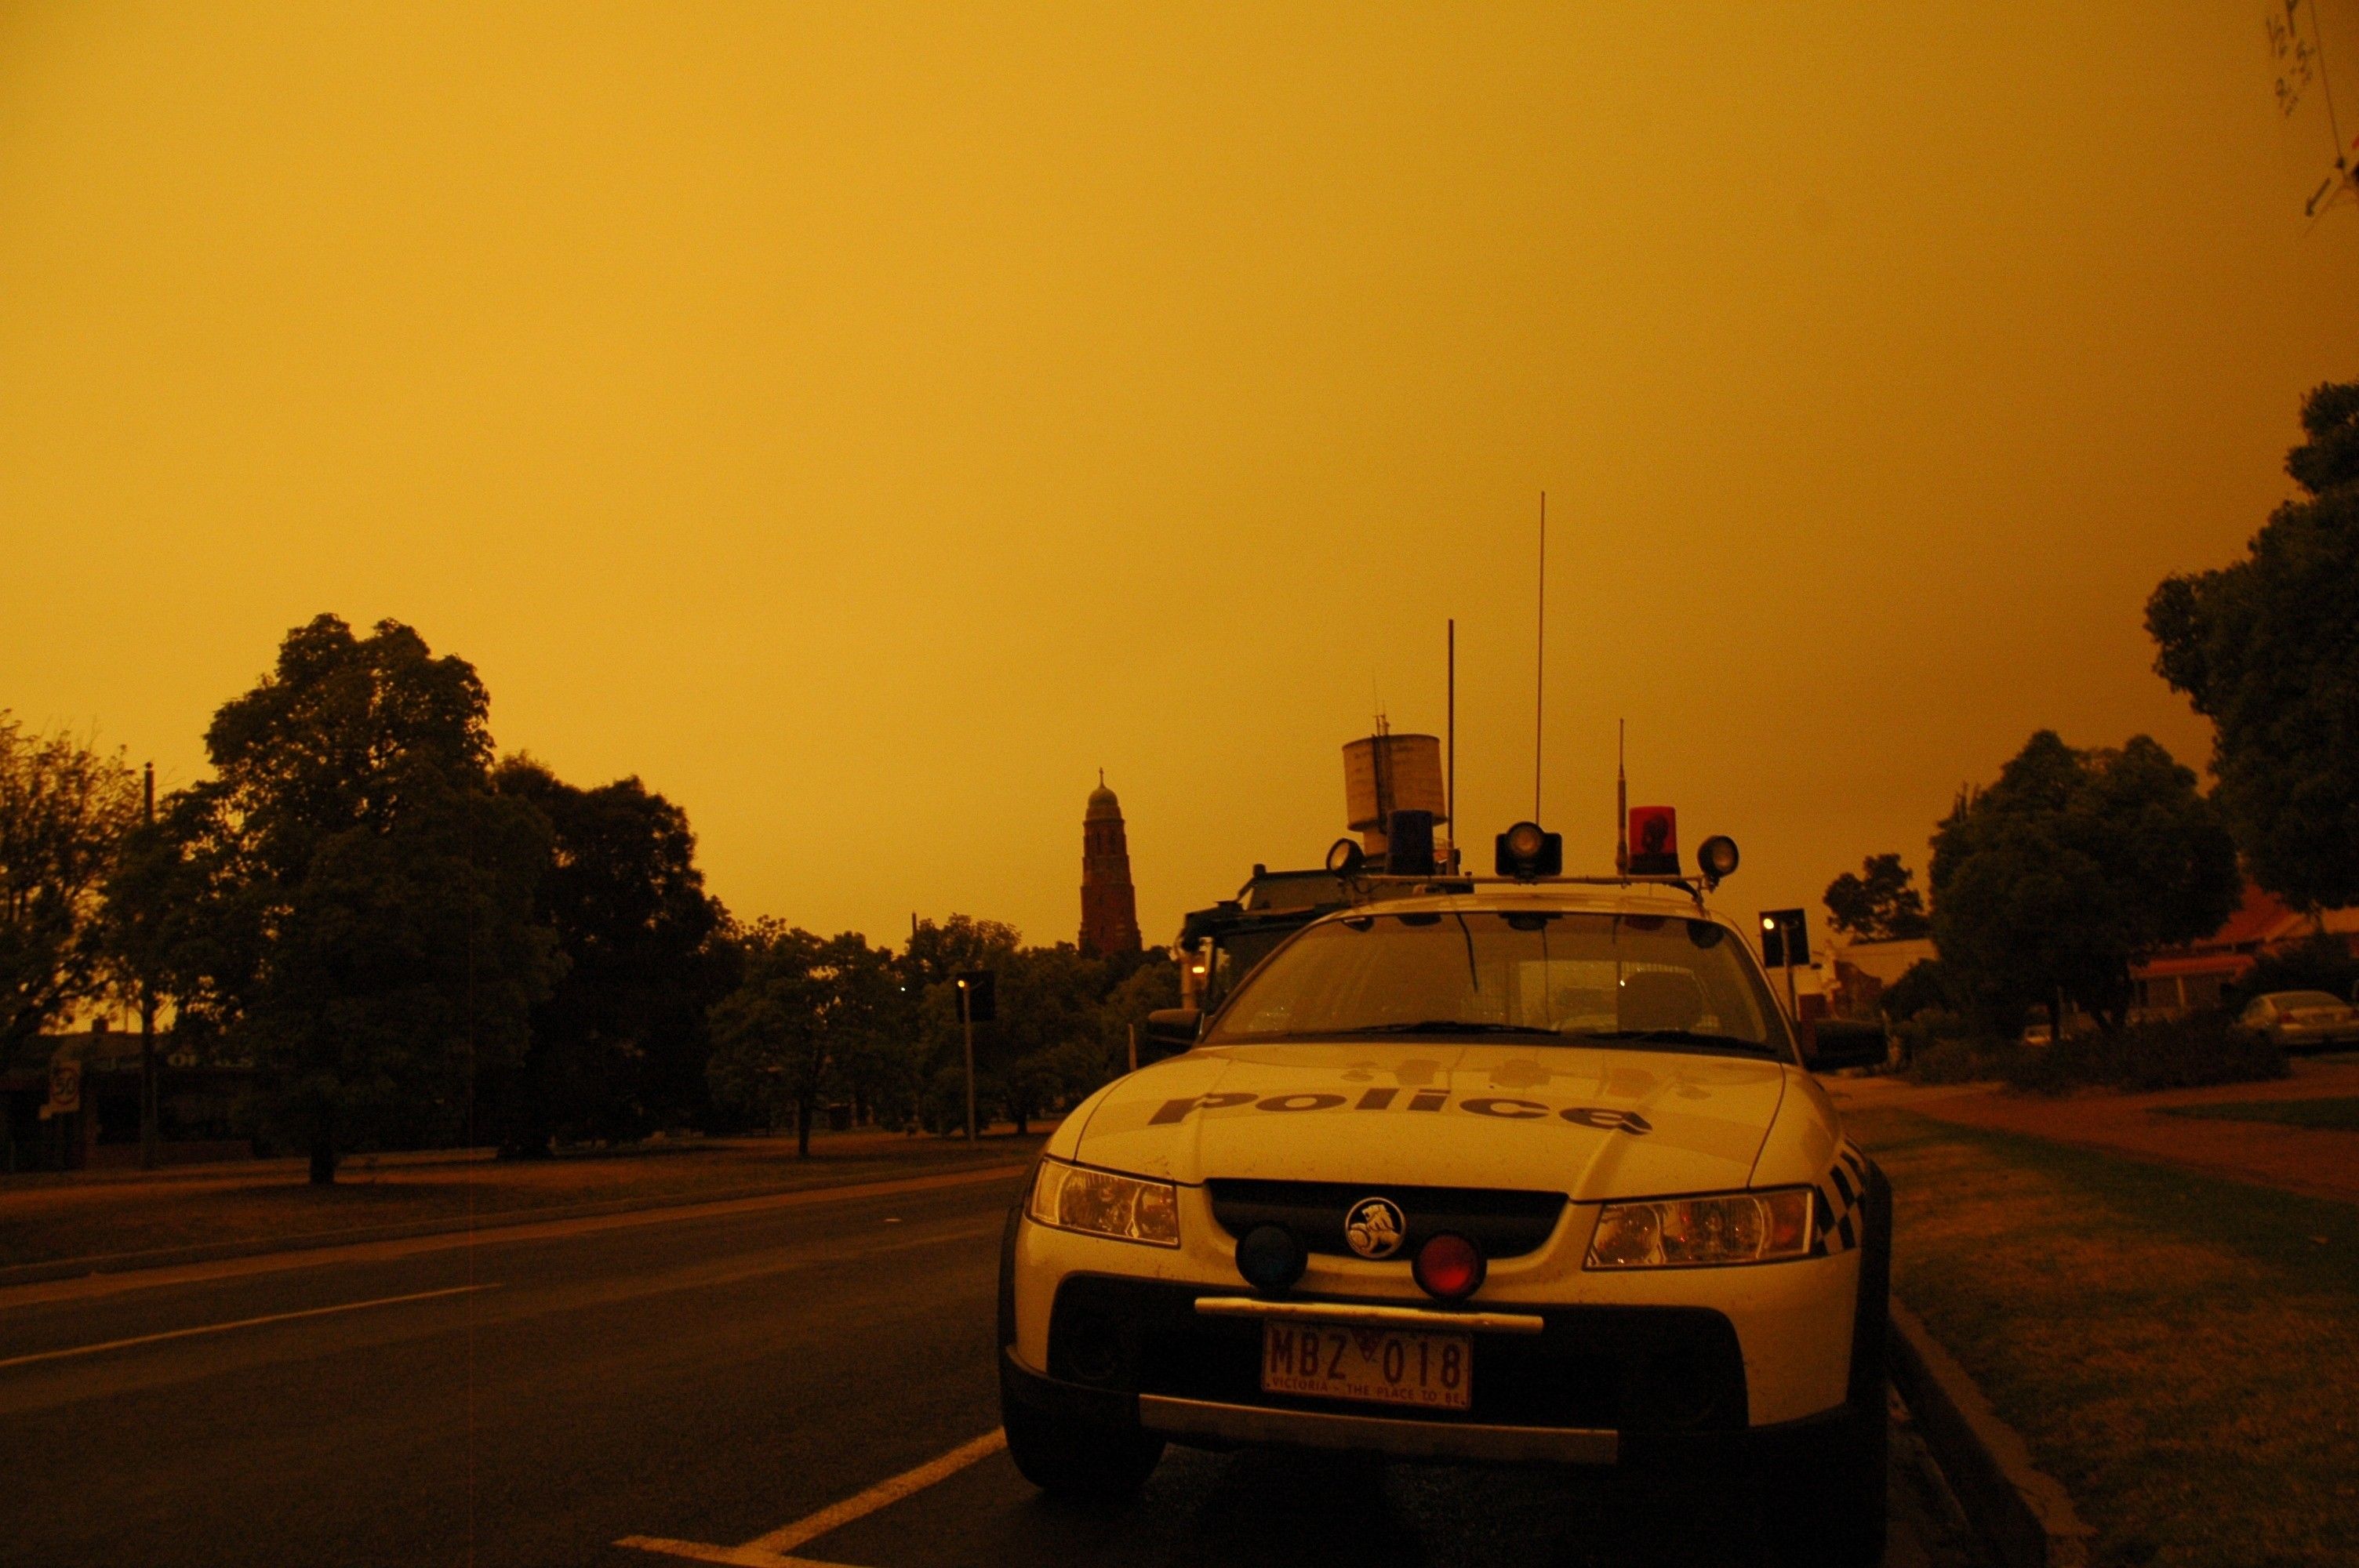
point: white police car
(1516, 1171)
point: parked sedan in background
(2297, 1019)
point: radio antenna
(1621, 797)
(1539, 674)
(1449, 729)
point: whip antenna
(1540, 676)
(1621, 797)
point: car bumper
(1207, 1423)
(1658, 1359)
(2316, 1037)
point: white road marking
(500, 1235)
(774, 1550)
(239, 1323)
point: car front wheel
(1828, 1507)
(1066, 1458)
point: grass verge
(2339, 1114)
(50, 1222)
(2174, 1347)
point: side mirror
(1829, 1043)
(1171, 1030)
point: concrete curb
(2024, 1513)
(311, 1242)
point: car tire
(1828, 1509)
(1068, 1459)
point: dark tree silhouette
(1878, 905)
(2053, 881)
(2268, 650)
(346, 901)
(619, 1046)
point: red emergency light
(1654, 841)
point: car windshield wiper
(1448, 1026)
(1676, 1037)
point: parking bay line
(775, 1550)
(238, 1322)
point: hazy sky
(865, 423)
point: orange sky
(865, 423)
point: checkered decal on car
(1840, 1191)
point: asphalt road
(694, 1380)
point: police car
(1520, 1169)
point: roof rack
(1442, 883)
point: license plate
(1386, 1365)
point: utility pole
(148, 1135)
(978, 1002)
(966, 1021)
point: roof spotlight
(1528, 851)
(1716, 856)
(1345, 858)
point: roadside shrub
(2162, 1053)
(1938, 1047)
(1962, 1059)
(1923, 988)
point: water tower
(1385, 773)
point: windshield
(2306, 998)
(1635, 980)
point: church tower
(1109, 907)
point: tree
(64, 807)
(1153, 984)
(1878, 905)
(1921, 988)
(2268, 650)
(1063, 1024)
(930, 965)
(806, 1004)
(345, 901)
(937, 953)
(1045, 1046)
(406, 964)
(2049, 884)
(620, 1044)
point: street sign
(65, 1085)
(1785, 938)
(978, 992)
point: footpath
(2316, 1162)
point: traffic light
(978, 992)
(1785, 939)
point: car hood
(1591, 1122)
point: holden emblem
(1375, 1227)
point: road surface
(691, 1385)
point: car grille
(1503, 1223)
(1629, 1369)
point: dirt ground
(2319, 1161)
(110, 1215)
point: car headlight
(1670, 1233)
(1073, 1198)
